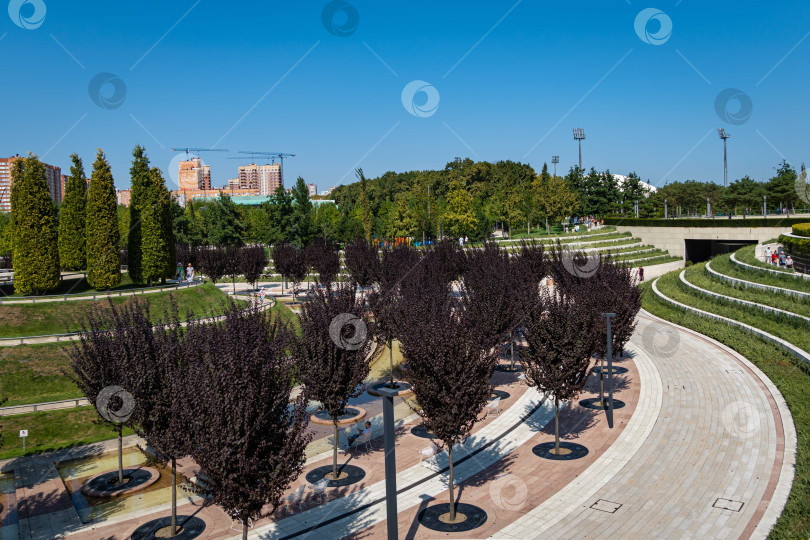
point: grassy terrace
(778, 325)
(724, 266)
(699, 277)
(75, 285)
(747, 255)
(790, 375)
(62, 317)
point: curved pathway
(709, 452)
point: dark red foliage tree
(249, 440)
(292, 263)
(533, 256)
(153, 366)
(283, 253)
(186, 253)
(449, 361)
(324, 259)
(212, 262)
(363, 262)
(561, 333)
(96, 360)
(233, 262)
(332, 350)
(447, 261)
(396, 264)
(252, 261)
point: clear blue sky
(512, 89)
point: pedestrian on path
(789, 262)
(641, 273)
(768, 254)
(179, 271)
(262, 294)
(190, 273)
(774, 257)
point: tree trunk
(452, 498)
(174, 497)
(335, 452)
(120, 456)
(602, 382)
(548, 229)
(512, 347)
(556, 426)
(244, 529)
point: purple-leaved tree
(324, 259)
(249, 438)
(252, 261)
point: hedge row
(699, 222)
(801, 229)
(796, 246)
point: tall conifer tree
(103, 236)
(33, 222)
(157, 249)
(72, 237)
(140, 176)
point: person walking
(641, 273)
(190, 273)
(789, 262)
(774, 257)
(782, 258)
(179, 271)
(262, 294)
(768, 254)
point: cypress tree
(72, 239)
(103, 258)
(140, 180)
(157, 249)
(33, 221)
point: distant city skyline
(399, 88)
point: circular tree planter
(347, 475)
(617, 370)
(106, 485)
(190, 527)
(437, 517)
(594, 403)
(402, 389)
(507, 368)
(421, 431)
(495, 394)
(569, 451)
(351, 415)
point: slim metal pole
(725, 164)
(388, 395)
(580, 154)
(609, 355)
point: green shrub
(801, 229)
(795, 246)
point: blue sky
(512, 80)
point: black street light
(555, 160)
(579, 136)
(724, 136)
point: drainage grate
(734, 371)
(606, 506)
(728, 504)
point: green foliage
(188, 224)
(103, 245)
(157, 233)
(72, 219)
(35, 246)
(140, 179)
(801, 229)
(327, 222)
(123, 223)
(223, 221)
(795, 246)
(459, 219)
(554, 198)
(303, 222)
(6, 245)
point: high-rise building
(313, 189)
(122, 196)
(265, 178)
(53, 176)
(205, 181)
(189, 175)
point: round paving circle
(495, 394)
(593, 403)
(421, 431)
(431, 517)
(192, 527)
(617, 370)
(575, 451)
(350, 415)
(105, 484)
(349, 474)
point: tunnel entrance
(703, 250)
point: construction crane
(272, 155)
(196, 150)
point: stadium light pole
(724, 136)
(579, 136)
(555, 160)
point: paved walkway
(704, 448)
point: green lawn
(52, 430)
(61, 317)
(723, 264)
(33, 374)
(747, 255)
(791, 376)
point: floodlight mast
(724, 136)
(579, 136)
(555, 160)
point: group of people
(778, 257)
(463, 240)
(186, 274)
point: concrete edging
(755, 285)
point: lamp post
(555, 160)
(609, 356)
(724, 136)
(579, 136)
(764, 207)
(636, 209)
(666, 213)
(388, 395)
(708, 208)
